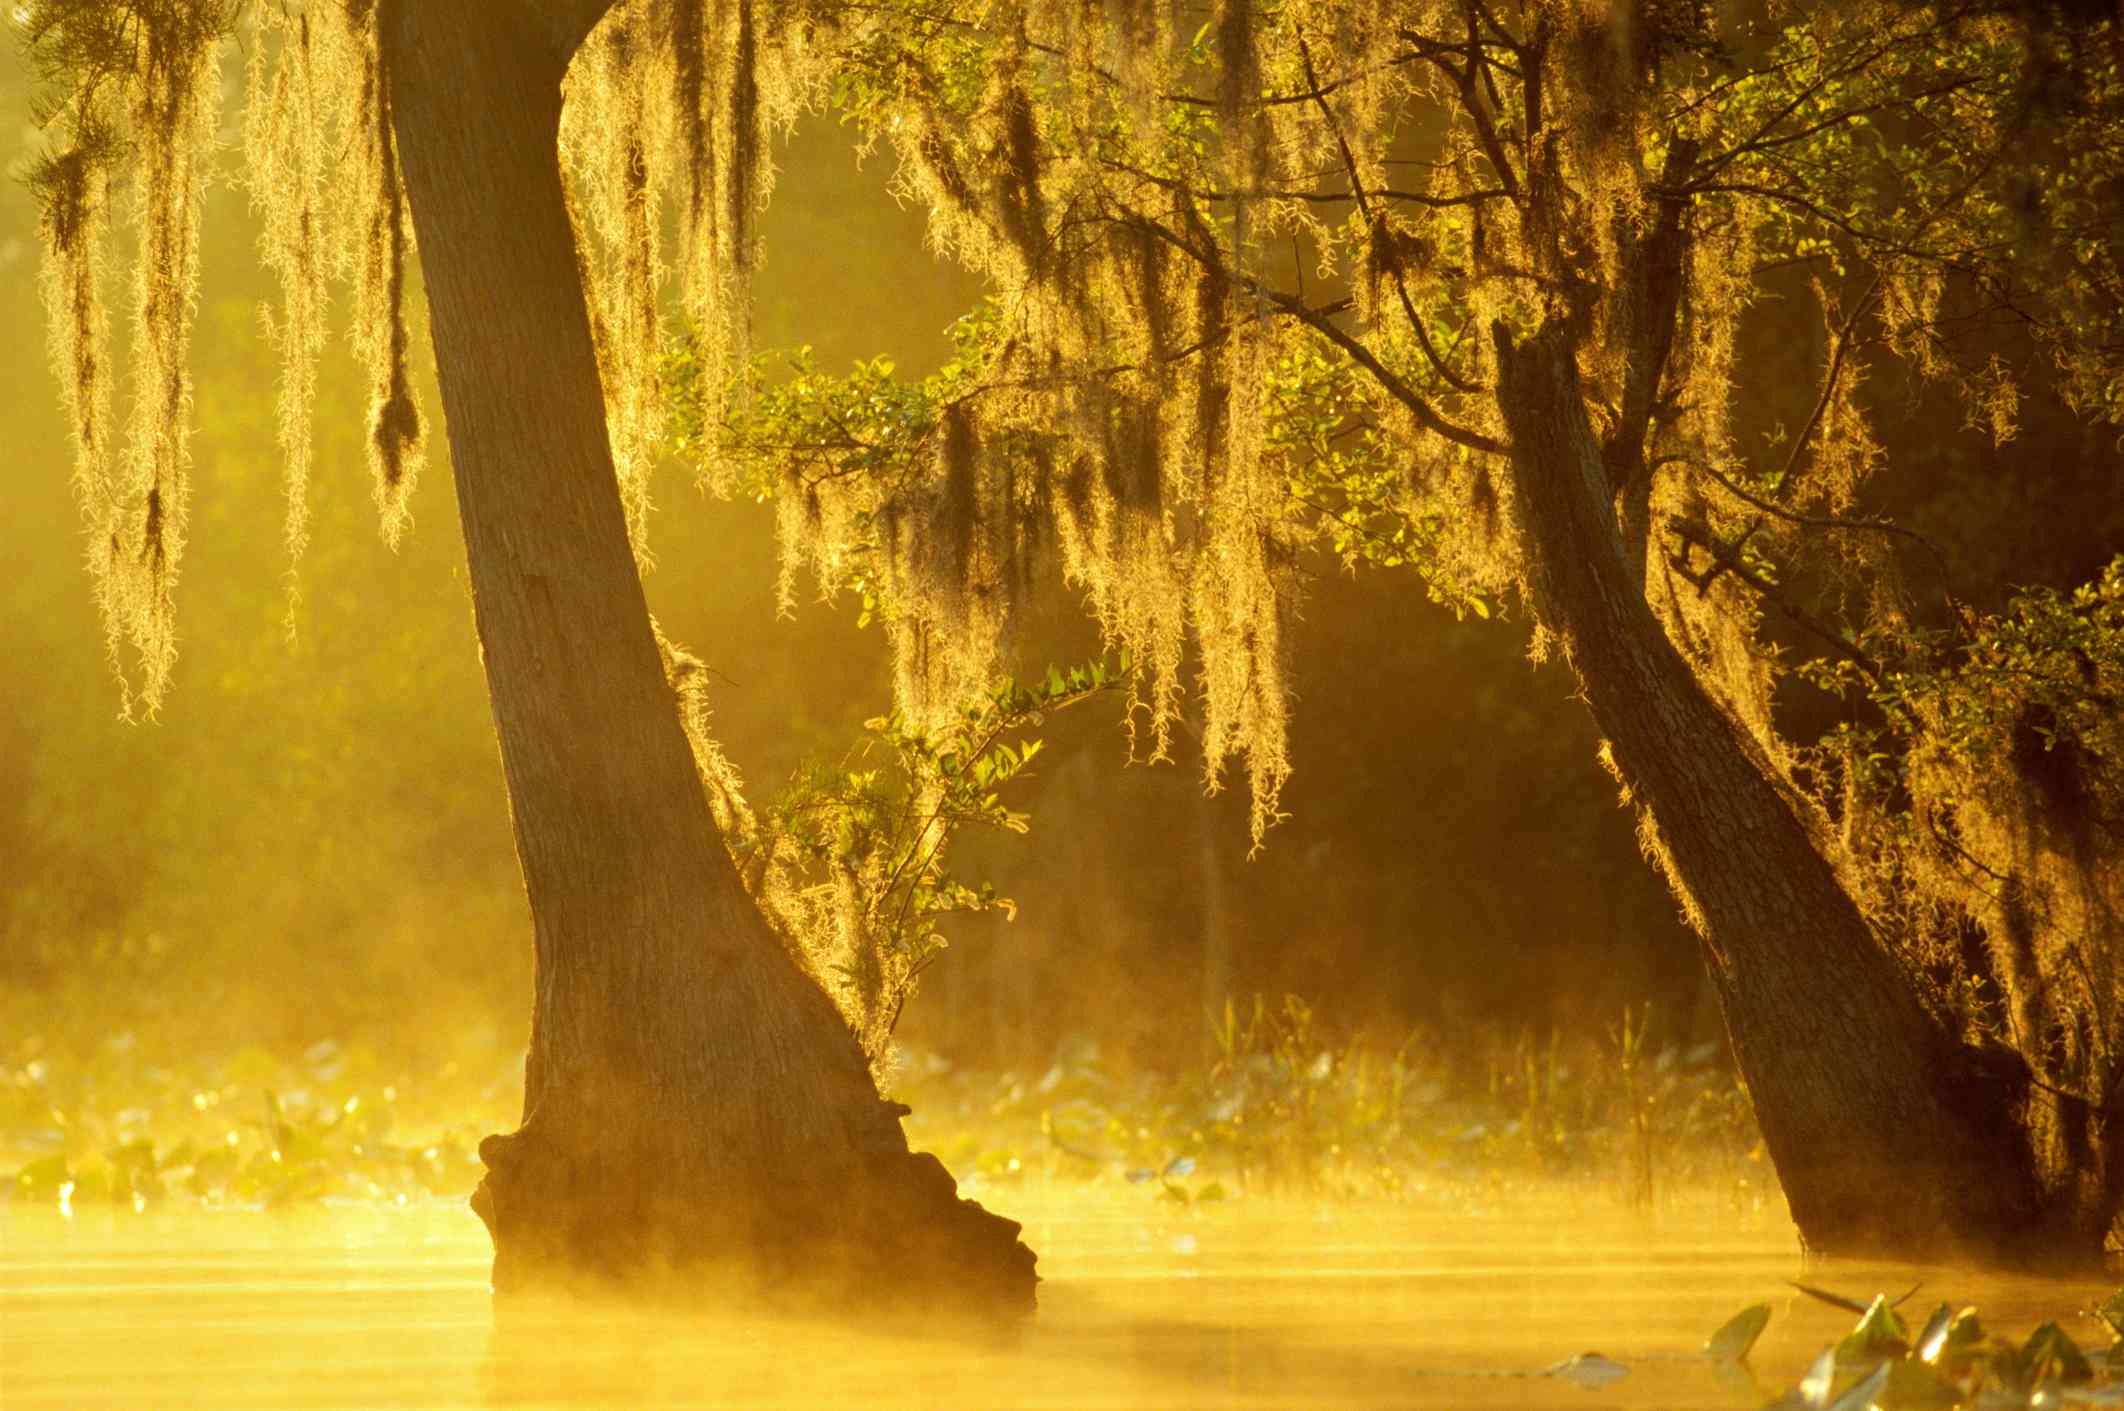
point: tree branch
(1809, 521)
(1377, 225)
(1426, 415)
(1829, 381)
(1725, 558)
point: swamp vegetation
(1758, 364)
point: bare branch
(1835, 374)
(1726, 558)
(1426, 415)
(1378, 227)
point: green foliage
(781, 419)
(1895, 125)
(2052, 663)
(1952, 1363)
(1346, 477)
(1983, 766)
(852, 861)
(1736, 1337)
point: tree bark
(1888, 1135)
(691, 1099)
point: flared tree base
(883, 1233)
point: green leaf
(1880, 1333)
(1913, 1386)
(42, 1179)
(1738, 1381)
(1589, 1370)
(2050, 1353)
(1834, 1300)
(1814, 1387)
(1736, 1337)
(1868, 1391)
(2111, 1312)
(1949, 1336)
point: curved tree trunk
(691, 1099)
(1887, 1133)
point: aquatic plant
(1952, 1360)
(851, 861)
(1276, 1107)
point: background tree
(691, 1095)
(1469, 290)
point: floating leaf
(1880, 1333)
(1834, 1300)
(43, 1178)
(1868, 1391)
(1588, 1369)
(1913, 1386)
(134, 1171)
(2111, 1311)
(1954, 1342)
(1737, 1380)
(2049, 1353)
(1814, 1388)
(1736, 1338)
(1850, 1305)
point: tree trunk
(690, 1098)
(1888, 1134)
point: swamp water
(1143, 1306)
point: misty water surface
(1143, 1306)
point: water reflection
(1143, 1307)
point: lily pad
(1880, 1333)
(1915, 1386)
(2111, 1311)
(1814, 1388)
(1735, 1339)
(1951, 1341)
(2049, 1354)
(1588, 1369)
(43, 1178)
(1869, 1390)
